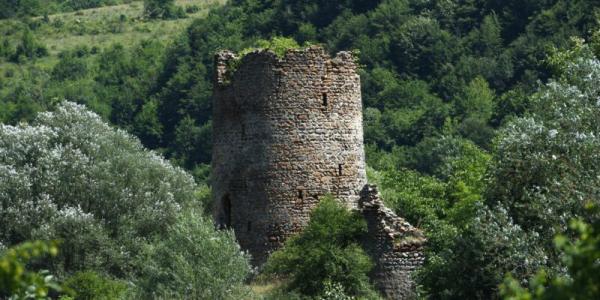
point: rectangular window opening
(340, 169)
(249, 225)
(300, 194)
(325, 103)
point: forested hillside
(434, 67)
(480, 116)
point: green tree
(582, 280)
(543, 174)
(474, 107)
(70, 176)
(16, 282)
(476, 101)
(194, 262)
(487, 245)
(327, 250)
(553, 151)
(70, 67)
(90, 285)
(147, 126)
(159, 8)
(29, 47)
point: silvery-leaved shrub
(69, 176)
(545, 172)
(193, 262)
(547, 164)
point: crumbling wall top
(396, 230)
(228, 62)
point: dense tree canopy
(429, 67)
(71, 177)
(326, 252)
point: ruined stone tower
(288, 131)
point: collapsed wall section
(286, 132)
(395, 246)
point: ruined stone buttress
(286, 132)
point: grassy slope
(101, 27)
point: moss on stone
(278, 45)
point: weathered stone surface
(395, 246)
(287, 132)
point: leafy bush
(16, 282)
(6, 50)
(333, 291)
(472, 264)
(193, 261)
(29, 47)
(191, 9)
(544, 173)
(71, 173)
(70, 176)
(89, 285)
(277, 44)
(583, 271)
(554, 153)
(70, 67)
(326, 251)
(161, 9)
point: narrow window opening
(249, 226)
(340, 169)
(300, 194)
(227, 211)
(325, 102)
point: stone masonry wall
(395, 245)
(287, 131)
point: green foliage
(29, 48)
(160, 9)
(553, 151)
(6, 50)
(461, 230)
(70, 176)
(326, 253)
(430, 68)
(543, 174)
(475, 107)
(277, 44)
(333, 291)
(16, 282)
(70, 68)
(193, 261)
(583, 272)
(487, 246)
(559, 60)
(90, 285)
(147, 126)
